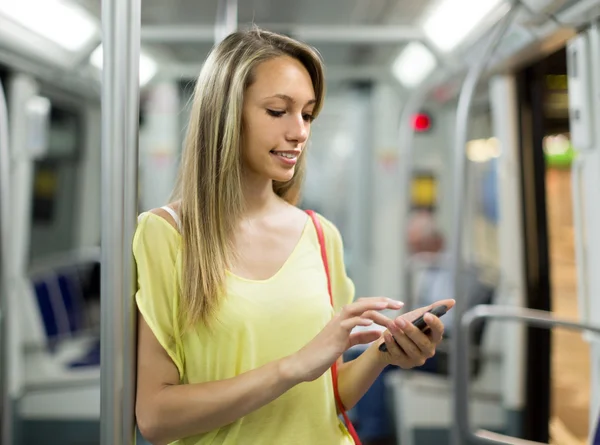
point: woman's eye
(275, 113)
(308, 117)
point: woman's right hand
(310, 362)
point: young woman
(236, 331)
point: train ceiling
(396, 40)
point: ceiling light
(453, 20)
(413, 64)
(148, 66)
(63, 23)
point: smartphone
(438, 311)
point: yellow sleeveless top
(257, 322)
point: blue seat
(89, 359)
(62, 307)
(73, 301)
(46, 310)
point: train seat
(61, 347)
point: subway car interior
(457, 153)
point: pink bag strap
(334, 374)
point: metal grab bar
(5, 274)
(532, 317)
(461, 375)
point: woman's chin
(284, 176)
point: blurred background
(530, 213)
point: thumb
(364, 337)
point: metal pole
(121, 22)
(6, 407)
(227, 19)
(459, 357)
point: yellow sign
(424, 191)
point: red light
(421, 122)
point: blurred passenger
(423, 235)
(236, 331)
(373, 419)
(428, 256)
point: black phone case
(419, 323)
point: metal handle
(465, 99)
(532, 317)
(5, 410)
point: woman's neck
(259, 198)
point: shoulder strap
(334, 374)
(173, 214)
(321, 237)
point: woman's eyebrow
(291, 99)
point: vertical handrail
(458, 356)
(5, 408)
(121, 23)
(594, 45)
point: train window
(55, 190)
(64, 135)
(45, 181)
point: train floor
(570, 353)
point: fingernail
(396, 303)
(401, 323)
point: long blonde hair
(209, 186)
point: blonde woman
(236, 331)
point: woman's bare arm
(167, 411)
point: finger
(351, 323)
(370, 304)
(378, 318)
(364, 337)
(423, 344)
(413, 315)
(436, 328)
(406, 344)
(392, 347)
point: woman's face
(277, 115)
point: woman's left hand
(413, 347)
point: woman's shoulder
(159, 226)
(330, 230)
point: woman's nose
(298, 130)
